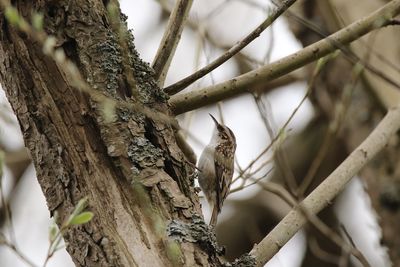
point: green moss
(174, 252)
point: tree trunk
(138, 184)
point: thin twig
(254, 181)
(19, 254)
(334, 237)
(251, 173)
(5, 203)
(182, 84)
(8, 218)
(348, 236)
(320, 253)
(280, 191)
(281, 160)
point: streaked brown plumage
(216, 165)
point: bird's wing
(223, 172)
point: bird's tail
(214, 217)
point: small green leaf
(281, 138)
(80, 206)
(380, 22)
(108, 110)
(82, 218)
(49, 44)
(53, 231)
(55, 217)
(37, 21)
(55, 244)
(78, 209)
(12, 15)
(59, 55)
(112, 10)
(23, 25)
(174, 252)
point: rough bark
(139, 186)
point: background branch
(239, 85)
(328, 189)
(170, 40)
(182, 84)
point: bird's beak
(215, 121)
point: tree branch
(239, 85)
(182, 84)
(328, 189)
(170, 40)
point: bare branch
(170, 40)
(329, 188)
(239, 85)
(182, 84)
(315, 221)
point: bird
(216, 167)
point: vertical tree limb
(170, 40)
